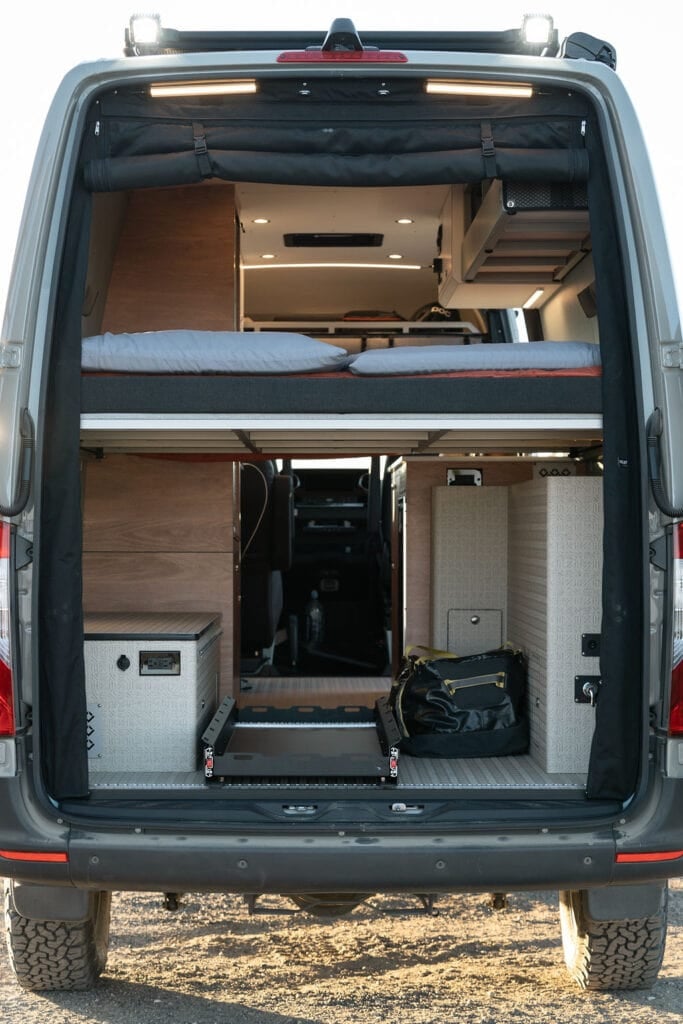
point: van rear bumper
(341, 863)
(397, 861)
(290, 859)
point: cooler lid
(148, 625)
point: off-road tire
(604, 956)
(58, 955)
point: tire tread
(612, 955)
(58, 955)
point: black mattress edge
(148, 393)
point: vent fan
(333, 240)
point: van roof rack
(145, 35)
(537, 36)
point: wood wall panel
(175, 261)
(143, 503)
(158, 536)
(164, 582)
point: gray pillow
(186, 351)
(536, 355)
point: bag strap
(429, 653)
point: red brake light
(648, 858)
(343, 56)
(7, 726)
(34, 855)
(676, 708)
(676, 702)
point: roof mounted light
(510, 90)
(144, 33)
(234, 87)
(537, 29)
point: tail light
(7, 727)
(676, 704)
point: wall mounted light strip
(438, 87)
(162, 90)
(533, 298)
(332, 266)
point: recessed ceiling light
(405, 220)
(395, 256)
(268, 256)
(261, 220)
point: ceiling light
(405, 220)
(533, 298)
(502, 89)
(261, 220)
(537, 29)
(268, 256)
(395, 256)
(177, 89)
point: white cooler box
(152, 686)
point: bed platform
(230, 374)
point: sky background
(41, 44)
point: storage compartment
(151, 687)
(522, 238)
(528, 557)
(517, 559)
(555, 599)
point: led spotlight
(537, 29)
(145, 31)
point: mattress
(424, 379)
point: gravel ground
(211, 963)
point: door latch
(586, 689)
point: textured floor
(483, 774)
(492, 773)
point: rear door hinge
(659, 548)
(23, 552)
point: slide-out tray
(351, 744)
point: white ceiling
(274, 292)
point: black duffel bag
(472, 706)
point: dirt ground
(212, 963)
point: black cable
(250, 465)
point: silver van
(330, 358)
